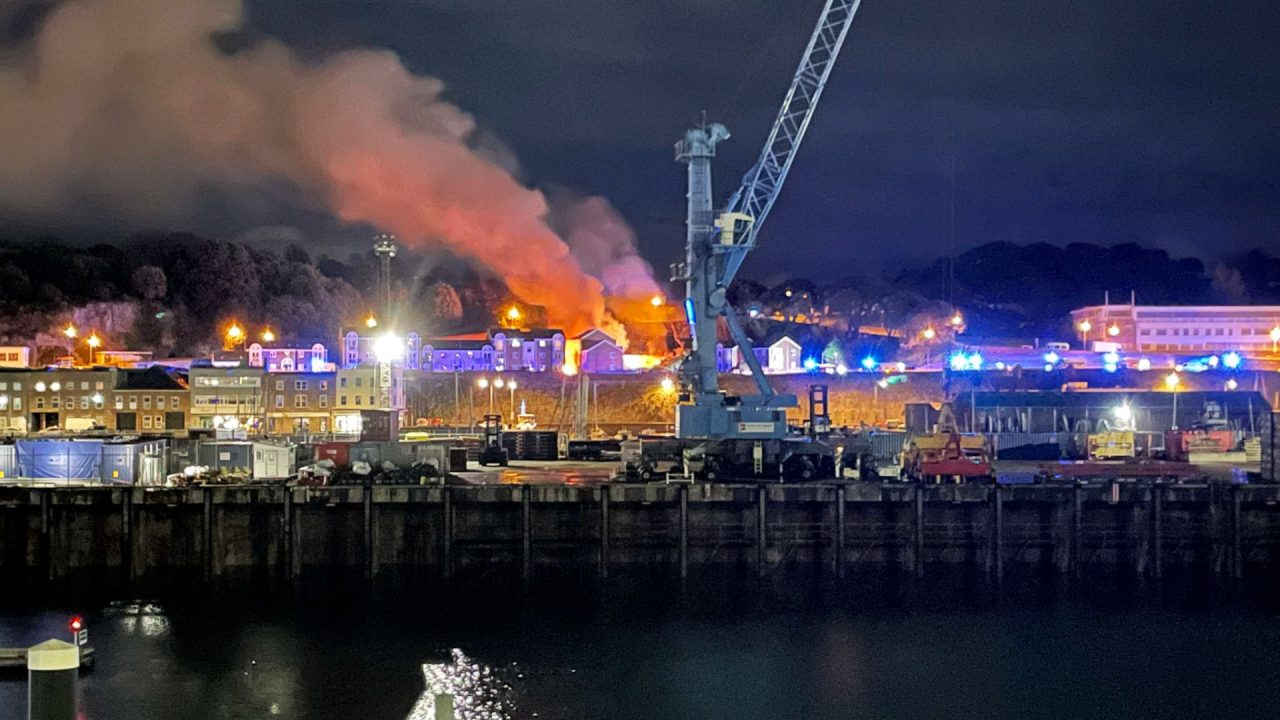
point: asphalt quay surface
(540, 472)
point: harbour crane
(750, 432)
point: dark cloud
(1106, 122)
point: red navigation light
(76, 624)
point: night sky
(1105, 122)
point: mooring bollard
(444, 706)
(53, 667)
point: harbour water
(333, 648)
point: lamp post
(71, 332)
(511, 385)
(94, 342)
(1085, 326)
(483, 383)
(1172, 381)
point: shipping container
(337, 452)
(8, 462)
(125, 462)
(229, 455)
(379, 425)
(60, 460)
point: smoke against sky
(131, 107)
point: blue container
(60, 460)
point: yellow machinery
(1112, 445)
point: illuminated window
(324, 401)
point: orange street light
(1114, 330)
(268, 336)
(371, 321)
(957, 320)
(513, 313)
(656, 301)
(70, 331)
(929, 333)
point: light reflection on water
(478, 692)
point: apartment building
(300, 402)
(225, 395)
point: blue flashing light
(1110, 367)
(1111, 357)
(810, 364)
(688, 311)
(1232, 360)
(1052, 358)
(1048, 367)
(869, 363)
(975, 361)
(958, 361)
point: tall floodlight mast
(714, 251)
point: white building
(1251, 330)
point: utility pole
(384, 246)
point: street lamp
(668, 385)
(1085, 326)
(957, 320)
(656, 301)
(1172, 381)
(233, 337)
(371, 322)
(1114, 330)
(511, 385)
(94, 342)
(267, 335)
(929, 333)
(1275, 337)
(484, 383)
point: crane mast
(716, 248)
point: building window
(39, 402)
(84, 402)
(279, 384)
(342, 382)
(324, 384)
(146, 422)
(359, 381)
(358, 399)
(279, 401)
(119, 403)
(342, 400)
(133, 402)
(146, 402)
(299, 401)
(299, 384)
(53, 402)
(173, 403)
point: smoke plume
(129, 106)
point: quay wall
(527, 531)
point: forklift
(492, 452)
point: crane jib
(762, 184)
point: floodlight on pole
(388, 348)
